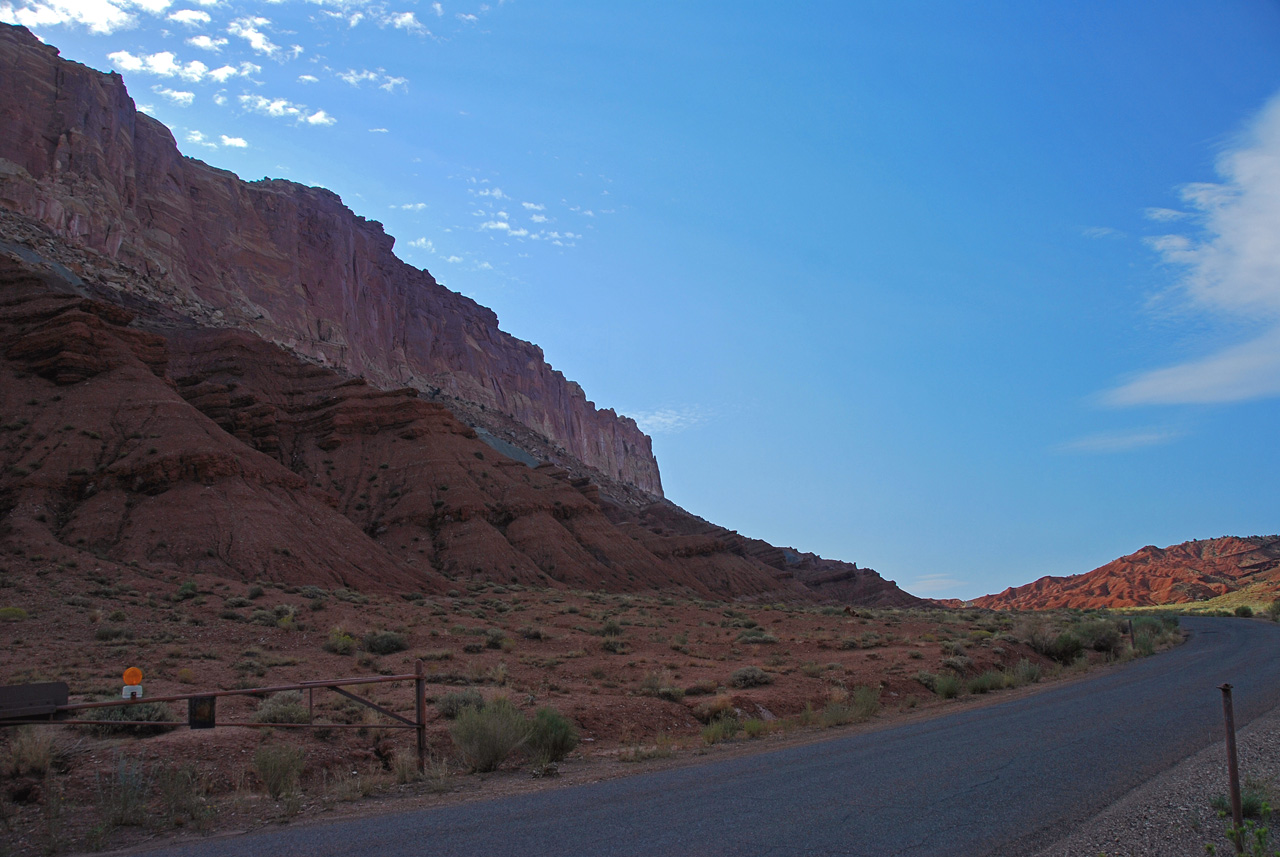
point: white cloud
(191, 17)
(494, 192)
(1101, 232)
(534, 206)
(277, 107)
(407, 21)
(538, 218)
(390, 83)
(470, 19)
(669, 420)
(320, 118)
(378, 131)
(1164, 215)
(205, 43)
(200, 139)
(249, 29)
(413, 206)
(1119, 441)
(500, 225)
(100, 16)
(438, 9)
(423, 244)
(453, 259)
(178, 97)
(235, 142)
(1231, 269)
(308, 78)
(162, 64)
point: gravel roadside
(1170, 816)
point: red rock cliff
(289, 262)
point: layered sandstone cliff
(1180, 574)
(288, 262)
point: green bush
(1244, 611)
(279, 766)
(1064, 648)
(385, 642)
(283, 707)
(12, 614)
(107, 720)
(340, 642)
(723, 728)
(1026, 672)
(1273, 610)
(451, 704)
(552, 736)
(750, 677)
(1101, 635)
(987, 682)
(948, 686)
(487, 736)
(756, 635)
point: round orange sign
(133, 675)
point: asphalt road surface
(1000, 779)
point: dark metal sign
(200, 712)
(32, 700)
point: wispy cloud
(206, 43)
(412, 206)
(1119, 441)
(250, 29)
(1165, 215)
(177, 96)
(1230, 269)
(1101, 232)
(669, 420)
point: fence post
(420, 703)
(1233, 769)
(1133, 641)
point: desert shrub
(987, 682)
(947, 686)
(723, 728)
(255, 591)
(487, 736)
(1145, 644)
(123, 794)
(279, 766)
(283, 707)
(610, 628)
(404, 767)
(31, 751)
(865, 702)
(711, 709)
(1063, 648)
(1244, 611)
(959, 663)
(1273, 610)
(756, 635)
(13, 614)
(339, 642)
(107, 633)
(755, 728)
(181, 794)
(552, 736)
(451, 704)
(1101, 635)
(1026, 672)
(614, 645)
(186, 591)
(927, 679)
(385, 642)
(107, 720)
(750, 677)
(494, 638)
(701, 687)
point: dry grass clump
(487, 736)
(31, 751)
(283, 707)
(279, 766)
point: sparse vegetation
(283, 707)
(279, 766)
(486, 736)
(385, 642)
(552, 736)
(751, 676)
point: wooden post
(420, 702)
(1233, 769)
(1133, 643)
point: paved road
(995, 780)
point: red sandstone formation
(180, 353)
(291, 263)
(1181, 574)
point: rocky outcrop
(1180, 574)
(287, 262)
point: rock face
(1180, 574)
(288, 262)
(137, 436)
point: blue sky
(968, 295)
